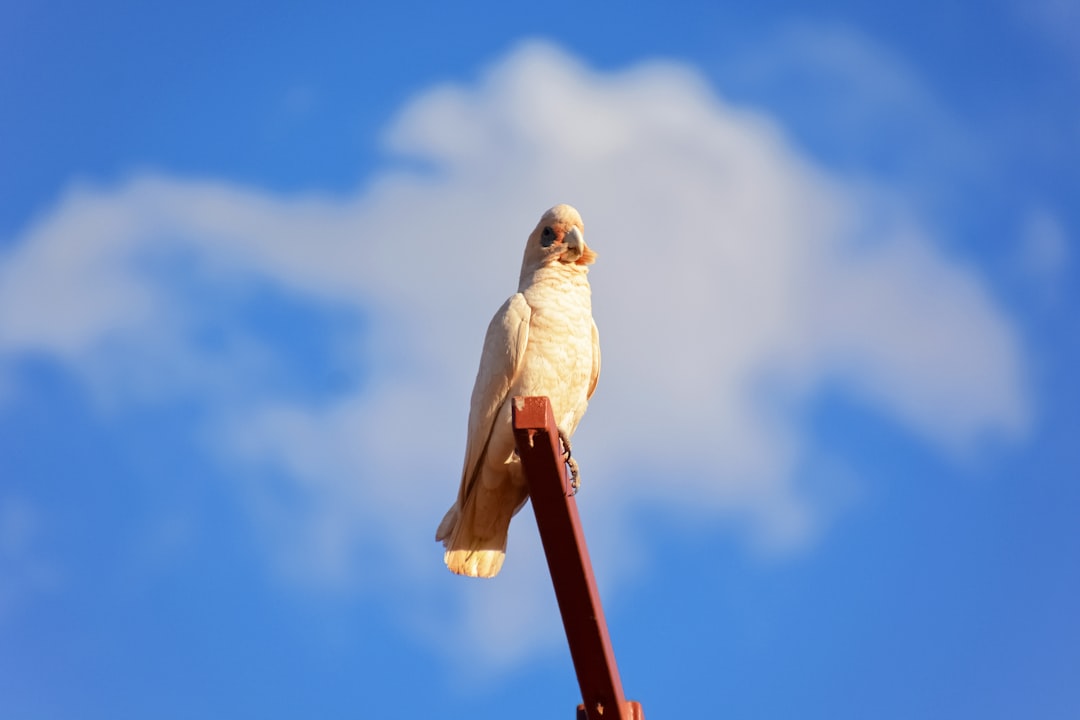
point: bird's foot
(575, 476)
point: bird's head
(559, 237)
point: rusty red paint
(537, 439)
(633, 711)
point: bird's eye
(547, 237)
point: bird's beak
(576, 250)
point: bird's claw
(575, 476)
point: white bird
(542, 341)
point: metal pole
(537, 439)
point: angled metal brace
(553, 501)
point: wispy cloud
(1057, 21)
(862, 105)
(736, 277)
(24, 570)
(1044, 248)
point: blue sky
(247, 257)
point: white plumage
(542, 341)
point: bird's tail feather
(475, 535)
(475, 563)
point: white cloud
(735, 279)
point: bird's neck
(556, 273)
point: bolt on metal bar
(537, 439)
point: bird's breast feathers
(558, 360)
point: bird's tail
(475, 535)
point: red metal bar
(538, 446)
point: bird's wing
(595, 360)
(500, 363)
